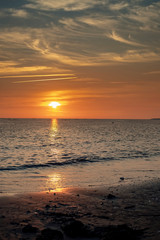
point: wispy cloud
(118, 38)
(45, 80)
(130, 56)
(67, 5)
(146, 16)
(153, 72)
(118, 6)
(98, 21)
(11, 67)
(19, 13)
(42, 75)
(138, 56)
(81, 38)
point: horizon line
(50, 118)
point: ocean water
(48, 154)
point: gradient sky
(98, 58)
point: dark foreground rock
(118, 232)
(50, 234)
(29, 229)
(111, 197)
(75, 228)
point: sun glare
(54, 104)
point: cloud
(118, 38)
(39, 75)
(98, 21)
(146, 16)
(45, 80)
(83, 38)
(10, 69)
(118, 6)
(67, 5)
(19, 13)
(153, 72)
(138, 56)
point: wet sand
(129, 212)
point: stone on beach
(111, 196)
(50, 234)
(29, 229)
(75, 228)
(118, 232)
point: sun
(54, 104)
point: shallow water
(41, 154)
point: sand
(108, 213)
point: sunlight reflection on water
(54, 182)
(43, 154)
(54, 128)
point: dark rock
(47, 206)
(50, 234)
(14, 223)
(29, 229)
(129, 207)
(76, 228)
(122, 178)
(111, 196)
(117, 232)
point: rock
(111, 196)
(50, 234)
(29, 229)
(122, 178)
(118, 232)
(76, 228)
(47, 206)
(129, 207)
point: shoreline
(97, 174)
(95, 213)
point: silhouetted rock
(111, 196)
(50, 234)
(117, 232)
(47, 206)
(122, 178)
(29, 229)
(76, 228)
(129, 207)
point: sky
(97, 58)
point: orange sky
(83, 56)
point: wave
(79, 160)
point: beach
(113, 212)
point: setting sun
(54, 104)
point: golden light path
(54, 182)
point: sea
(52, 154)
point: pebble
(111, 196)
(121, 178)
